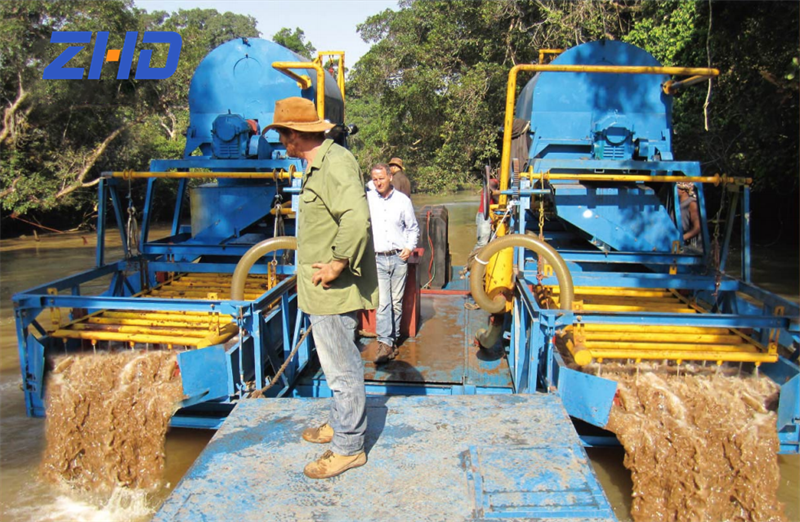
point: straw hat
(298, 114)
(397, 162)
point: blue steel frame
(269, 326)
(536, 364)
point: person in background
(399, 179)
(336, 276)
(394, 232)
(484, 225)
(690, 217)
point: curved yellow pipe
(498, 304)
(250, 257)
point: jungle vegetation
(431, 89)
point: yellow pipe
(284, 68)
(198, 294)
(275, 174)
(511, 93)
(620, 292)
(165, 316)
(145, 322)
(592, 337)
(543, 52)
(652, 329)
(127, 337)
(716, 179)
(145, 330)
(656, 347)
(499, 271)
(339, 66)
(671, 87)
(623, 308)
(675, 356)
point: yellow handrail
(511, 93)
(275, 174)
(339, 67)
(285, 67)
(716, 179)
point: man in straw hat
(398, 178)
(336, 276)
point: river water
(25, 263)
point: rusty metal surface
(443, 352)
(429, 458)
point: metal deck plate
(471, 457)
(443, 352)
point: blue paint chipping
(474, 457)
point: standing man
(336, 276)
(690, 218)
(399, 179)
(395, 234)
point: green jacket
(333, 222)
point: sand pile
(107, 417)
(699, 447)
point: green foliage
(432, 87)
(296, 41)
(58, 135)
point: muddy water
(107, 417)
(700, 444)
(25, 263)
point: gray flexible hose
(498, 304)
(250, 257)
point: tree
(432, 87)
(58, 135)
(295, 41)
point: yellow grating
(598, 342)
(195, 329)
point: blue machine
(599, 187)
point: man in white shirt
(394, 233)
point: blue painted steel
(101, 222)
(626, 218)
(237, 77)
(422, 451)
(204, 373)
(586, 397)
(601, 116)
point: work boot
(321, 435)
(385, 353)
(330, 464)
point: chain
(715, 248)
(540, 261)
(132, 228)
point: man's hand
(405, 254)
(328, 272)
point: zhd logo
(57, 71)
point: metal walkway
(440, 458)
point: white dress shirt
(394, 225)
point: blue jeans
(334, 337)
(391, 285)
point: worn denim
(334, 337)
(391, 285)
(484, 227)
